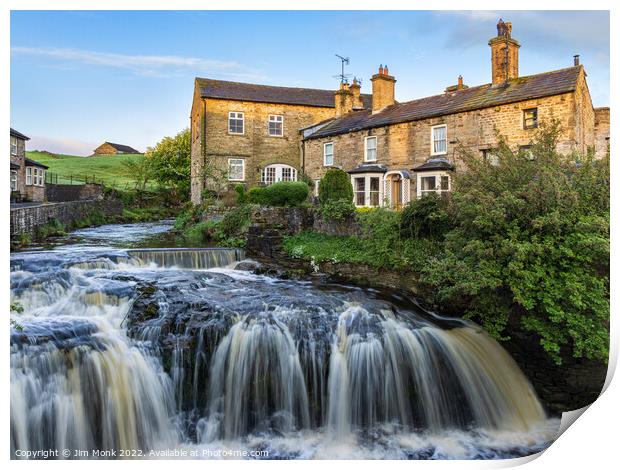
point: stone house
(396, 152)
(27, 175)
(249, 134)
(109, 148)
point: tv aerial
(343, 76)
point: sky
(79, 78)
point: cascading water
(116, 350)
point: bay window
(367, 190)
(433, 183)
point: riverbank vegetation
(522, 240)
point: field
(70, 169)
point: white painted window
(278, 172)
(328, 154)
(367, 190)
(13, 180)
(439, 140)
(235, 122)
(370, 149)
(436, 182)
(28, 176)
(276, 125)
(13, 145)
(236, 169)
(490, 156)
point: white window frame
(367, 178)
(436, 174)
(433, 153)
(325, 154)
(490, 157)
(278, 173)
(242, 160)
(236, 117)
(13, 145)
(366, 139)
(274, 120)
(28, 176)
(13, 180)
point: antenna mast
(343, 76)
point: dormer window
(439, 140)
(530, 118)
(235, 123)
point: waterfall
(114, 349)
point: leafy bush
(530, 246)
(339, 209)
(241, 194)
(335, 185)
(236, 221)
(426, 217)
(282, 193)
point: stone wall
(73, 192)
(211, 141)
(26, 220)
(269, 226)
(601, 131)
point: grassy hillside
(72, 169)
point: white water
(275, 366)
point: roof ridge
(270, 86)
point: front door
(397, 192)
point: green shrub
(236, 221)
(340, 209)
(426, 217)
(53, 228)
(336, 184)
(241, 194)
(200, 232)
(256, 195)
(280, 194)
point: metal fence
(55, 178)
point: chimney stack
(459, 85)
(356, 94)
(576, 59)
(382, 89)
(343, 100)
(504, 54)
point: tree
(170, 161)
(335, 185)
(530, 246)
(140, 170)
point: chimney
(343, 100)
(459, 84)
(382, 89)
(576, 59)
(504, 54)
(356, 93)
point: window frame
(325, 154)
(438, 126)
(278, 173)
(490, 157)
(242, 160)
(281, 122)
(14, 145)
(534, 118)
(366, 139)
(437, 175)
(242, 118)
(367, 191)
(28, 176)
(14, 186)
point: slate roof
(237, 91)
(30, 162)
(19, 135)
(434, 164)
(122, 148)
(368, 169)
(469, 99)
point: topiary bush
(335, 185)
(340, 209)
(283, 193)
(426, 217)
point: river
(119, 350)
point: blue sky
(79, 78)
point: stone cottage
(109, 148)
(27, 175)
(393, 151)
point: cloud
(63, 145)
(144, 65)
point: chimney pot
(381, 69)
(460, 82)
(576, 59)
(385, 70)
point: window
(360, 191)
(278, 172)
(235, 123)
(28, 176)
(328, 154)
(433, 183)
(13, 145)
(526, 150)
(370, 146)
(13, 180)
(489, 156)
(530, 118)
(275, 127)
(236, 169)
(439, 140)
(374, 192)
